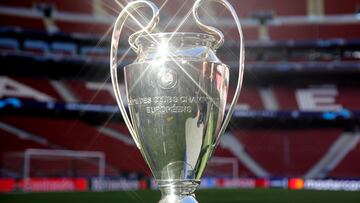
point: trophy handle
(119, 23)
(212, 30)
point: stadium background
(296, 125)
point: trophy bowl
(177, 95)
(176, 90)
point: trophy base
(178, 199)
(178, 191)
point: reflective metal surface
(176, 90)
(176, 117)
(177, 97)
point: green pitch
(204, 196)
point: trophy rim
(171, 36)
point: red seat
(76, 135)
(347, 98)
(346, 7)
(345, 31)
(243, 171)
(18, 3)
(245, 8)
(249, 32)
(12, 148)
(40, 85)
(83, 28)
(349, 167)
(88, 95)
(9, 44)
(314, 32)
(10, 143)
(286, 97)
(287, 152)
(249, 97)
(78, 6)
(66, 167)
(27, 23)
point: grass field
(203, 196)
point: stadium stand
(81, 6)
(284, 42)
(243, 170)
(349, 7)
(82, 28)
(72, 135)
(287, 152)
(91, 92)
(22, 143)
(8, 44)
(310, 32)
(39, 86)
(247, 8)
(348, 167)
(28, 23)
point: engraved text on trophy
(170, 104)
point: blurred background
(296, 125)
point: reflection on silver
(176, 91)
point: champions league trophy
(176, 89)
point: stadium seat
(26, 23)
(78, 6)
(9, 44)
(119, 127)
(250, 33)
(347, 98)
(97, 29)
(40, 85)
(242, 169)
(349, 167)
(90, 95)
(247, 8)
(285, 97)
(11, 148)
(337, 31)
(287, 152)
(38, 47)
(314, 31)
(64, 48)
(21, 143)
(347, 7)
(76, 135)
(19, 3)
(249, 98)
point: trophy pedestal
(178, 199)
(178, 191)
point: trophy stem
(178, 191)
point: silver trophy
(176, 90)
